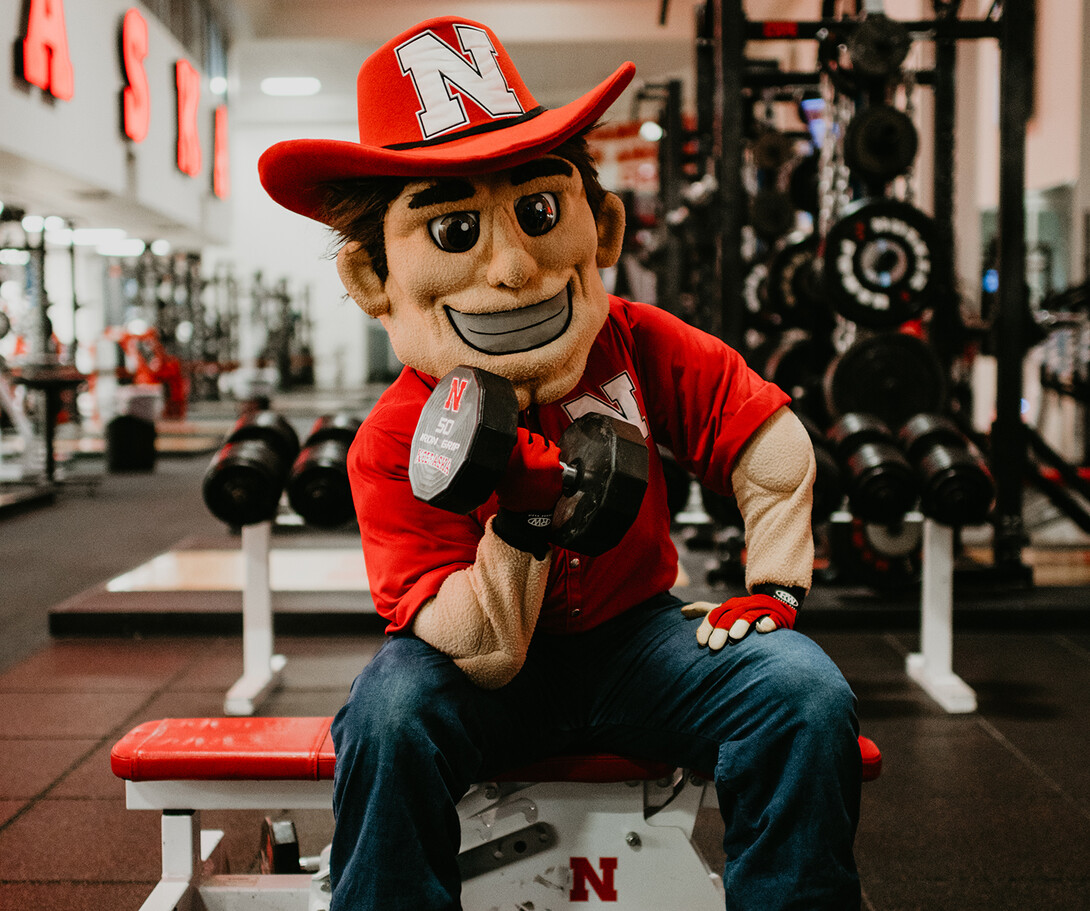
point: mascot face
(498, 271)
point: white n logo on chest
(621, 392)
(436, 69)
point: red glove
(532, 481)
(731, 621)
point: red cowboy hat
(441, 99)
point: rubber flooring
(979, 812)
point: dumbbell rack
(261, 667)
(932, 666)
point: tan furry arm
(484, 616)
(774, 485)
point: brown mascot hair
(355, 208)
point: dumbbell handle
(570, 476)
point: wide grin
(512, 331)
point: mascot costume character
(472, 225)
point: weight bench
(553, 834)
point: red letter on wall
(583, 873)
(189, 98)
(221, 173)
(46, 63)
(135, 99)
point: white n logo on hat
(436, 67)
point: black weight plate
(878, 46)
(893, 541)
(877, 269)
(853, 430)
(611, 457)
(793, 288)
(957, 487)
(857, 560)
(797, 365)
(892, 376)
(318, 488)
(340, 426)
(828, 485)
(772, 150)
(881, 483)
(771, 213)
(755, 297)
(463, 440)
(923, 431)
(272, 430)
(880, 143)
(243, 484)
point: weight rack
(1011, 24)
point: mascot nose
(511, 264)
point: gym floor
(980, 812)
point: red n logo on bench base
(583, 873)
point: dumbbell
(828, 481)
(880, 483)
(246, 478)
(318, 486)
(956, 487)
(467, 431)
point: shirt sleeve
(409, 547)
(703, 401)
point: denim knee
(407, 695)
(808, 688)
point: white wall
(269, 238)
(70, 158)
(281, 244)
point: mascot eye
(455, 232)
(537, 213)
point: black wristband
(791, 595)
(526, 531)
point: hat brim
(293, 172)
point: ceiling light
(126, 246)
(32, 224)
(283, 86)
(14, 257)
(217, 85)
(650, 131)
(59, 237)
(160, 247)
(92, 237)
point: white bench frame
(645, 825)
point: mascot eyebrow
(455, 189)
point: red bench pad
(268, 749)
(225, 749)
(872, 758)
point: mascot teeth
(512, 331)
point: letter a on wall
(189, 99)
(46, 63)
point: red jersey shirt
(683, 388)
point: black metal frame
(1013, 28)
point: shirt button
(574, 564)
(576, 611)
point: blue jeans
(772, 716)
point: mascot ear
(610, 223)
(361, 282)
